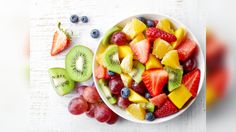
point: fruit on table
(111, 59)
(61, 81)
(95, 33)
(125, 92)
(186, 49)
(102, 113)
(119, 38)
(174, 78)
(113, 119)
(77, 106)
(149, 116)
(80, 90)
(136, 111)
(189, 64)
(138, 87)
(153, 62)
(101, 72)
(108, 34)
(116, 84)
(171, 59)
(78, 63)
(160, 48)
(141, 50)
(167, 109)
(84, 19)
(191, 81)
(155, 80)
(90, 112)
(126, 79)
(106, 91)
(137, 71)
(136, 98)
(180, 96)
(74, 19)
(133, 28)
(61, 40)
(153, 33)
(138, 38)
(159, 100)
(91, 95)
(127, 64)
(165, 25)
(124, 51)
(123, 103)
(180, 34)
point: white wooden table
(48, 112)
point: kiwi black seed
(137, 71)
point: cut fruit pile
(148, 68)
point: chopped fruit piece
(150, 107)
(107, 36)
(61, 40)
(127, 80)
(138, 38)
(133, 28)
(136, 111)
(153, 62)
(155, 33)
(171, 59)
(167, 109)
(99, 59)
(180, 96)
(174, 78)
(160, 48)
(165, 25)
(106, 91)
(141, 50)
(124, 50)
(180, 34)
(159, 100)
(155, 81)
(136, 98)
(191, 81)
(119, 38)
(137, 71)
(127, 64)
(186, 49)
(100, 72)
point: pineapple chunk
(126, 79)
(133, 28)
(124, 51)
(180, 34)
(137, 111)
(138, 38)
(171, 59)
(160, 48)
(127, 64)
(136, 98)
(166, 25)
(153, 62)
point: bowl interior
(199, 58)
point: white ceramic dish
(199, 57)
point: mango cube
(171, 59)
(153, 62)
(136, 98)
(180, 34)
(133, 28)
(138, 38)
(166, 25)
(126, 79)
(124, 51)
(160, 48)
(127, 64)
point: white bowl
(199, 57)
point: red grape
(102, 113)
(123, 103)
(139, 87)
(90, 112)
(113, 119)
(189, 65)
(116, 84)
(119, 38)
(80, 89)
(91, 95)
(78, 106)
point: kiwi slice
(78, 63)
(137, 71)
(107, 36)
(106, 90)
(61, 81)
(111, 59)
(175, 78)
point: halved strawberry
(101, 73)
(141, 50)
(167, 109)
(159, 100)
(61, 40)
(186, 49)
(155, 81)
(191, 81)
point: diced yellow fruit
(99, 59)
(134, 27)
(180, 96)
(153, 62)
(171, 59)
(124, 51)
(180, 34)
(136, 111)
(160, 48)
(136, 98)
(138, 38)
(127, 64)
(126, 79)
(211, 96)
(166, 25)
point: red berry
(123, 103)
(102, 113)
(113, 119)
(153, 33)
(141, 50)
(78, 106)
(91, 95)
(119, 38)
(167, 109)
(159, 100)
(90, 112)
(80, 89)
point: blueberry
(84, 19)
(149, 116)
(125, 92)
(147, 95)
(110, 73)
(142, 19)
(150, 23)
(95, 33)
(74, 19)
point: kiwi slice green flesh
(78, 63)
(174, 78)
(107, 36)
(137, 71)
(61, 81)
(111, 59)
(106, 91)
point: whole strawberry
(153, 33)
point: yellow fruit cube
(127, 64)
(124, 51)
(153, 62)
(133, 28)
(99, 59)
(137, 111)
(160, 48)
(180, 96)
(180, 34)
(171, 59)
(166, 25)
(138, 38)
(136, 98)
(126, 79)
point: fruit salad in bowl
(148, 68)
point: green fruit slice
(107, 36)
(175, 77)
(137, 71)
(61, 81)
(106, 91)
(78, 63)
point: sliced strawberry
(159, 100)
(101, 72)
(186, 49)
(141, 50)
(191, 81)
(167, 109)
(61, 40)
(153, 33)
(155, 81)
